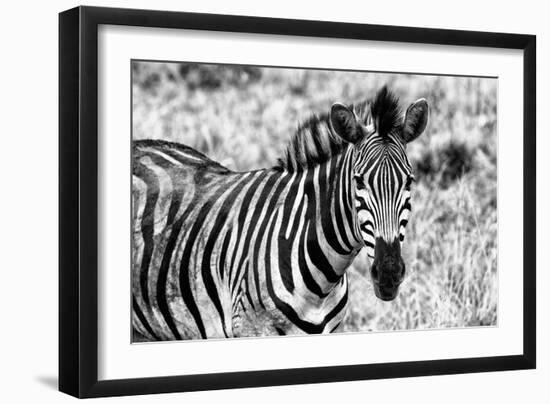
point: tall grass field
(243, 116)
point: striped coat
(261, 252)
(220, 254)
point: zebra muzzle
(387, 269)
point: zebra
(219, 254)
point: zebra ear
(344, 123)
(416, 119)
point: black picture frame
(78, 200)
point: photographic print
(273, 201)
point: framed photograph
(251, 201)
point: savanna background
(242, 117)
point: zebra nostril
(374, 272)
(398, 276)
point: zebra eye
(360, 181)
(410, 180)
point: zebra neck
(336, 219)
(321, 235)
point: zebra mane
(314, 142)
(386, 112)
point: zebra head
(383, 177)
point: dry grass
(242, 118)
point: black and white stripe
(383, 190)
